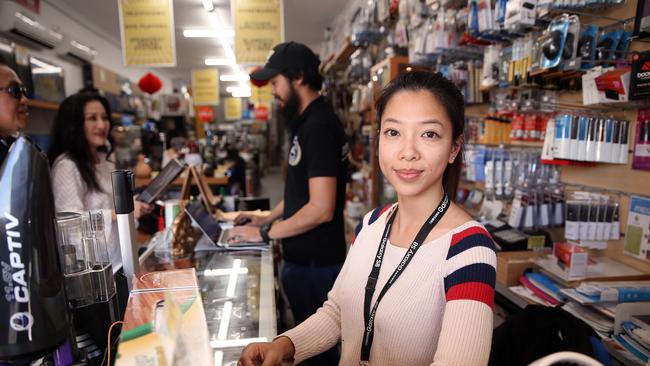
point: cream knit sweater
(439, 312)
(72, 195)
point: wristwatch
(264, 232)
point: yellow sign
(147, 28)
(258, 28)
(205, 87)
(262, 94)
(232, 108)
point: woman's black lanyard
(368, 314)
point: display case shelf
(50, 106)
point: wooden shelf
(533, 144)
(341, 58)
(43, 105)
(539, 144)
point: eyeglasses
(15, 91)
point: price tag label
(536, 241)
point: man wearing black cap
(13, 108)
(312, 230)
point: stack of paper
(528, 295)
(604, 326)
(635, 340)
(609, 292)
(543, 287)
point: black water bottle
(33, 310)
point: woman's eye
(430, 134)
(391, 132)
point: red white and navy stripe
(374, 215)
(471, 273)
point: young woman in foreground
(417, 287)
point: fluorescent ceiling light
(241, 77)
(238, 89)
(206, 33)
(241, 95)
(217, 62)
(230, 54)
(218, 358)
(83, 47)
(42, 67)
(9, 48)
(226, 313)
(208, 5)
(40, 71)
(231, 343)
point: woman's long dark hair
(68, 135)
(448, 96)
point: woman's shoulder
(63, 162)
(471, 237)
(371, 219)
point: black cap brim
(264, 74)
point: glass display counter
(238, 293)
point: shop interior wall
(109, 56)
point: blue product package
(583, 127)
(479, 165)
(609, 138)
(563, 136)
(587, 46)
(607, 45)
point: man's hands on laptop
(250, 220)
(244, 234)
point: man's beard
(291, 107)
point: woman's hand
(267, 354)
(140, 209)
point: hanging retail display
(641, 158)
(638, 228)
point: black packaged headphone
(552, 45)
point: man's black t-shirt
(318, 149)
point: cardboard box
(572, 258)
(511, 265)
(614, 86)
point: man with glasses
(13, 108)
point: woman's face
(96, 124)
(415, 142)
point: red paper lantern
(258, 83)
(150, 83)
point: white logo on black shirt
(295, 154)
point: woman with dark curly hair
(81, 169)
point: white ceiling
(304, 21)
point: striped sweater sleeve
(466, 334)
(322, 330)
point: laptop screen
(162, 180)
(206, 222)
